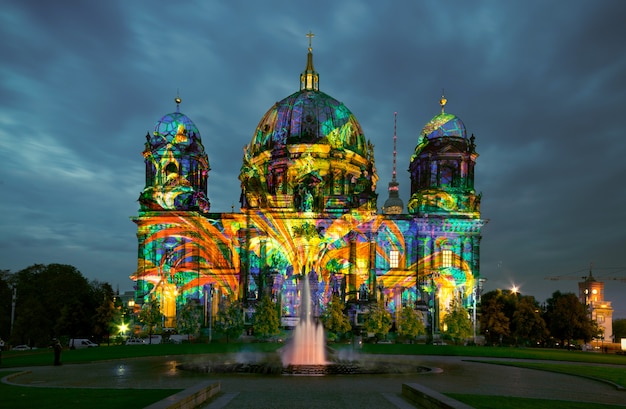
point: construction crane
(590, 276)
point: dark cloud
(541, 85)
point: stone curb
(189, 398)
(7, 379)
(427, 398)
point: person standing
(56, 345)
(1, 348)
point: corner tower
(172, 204)
(177, 167)
(442, 169)
(447, 210)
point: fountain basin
(333, 368)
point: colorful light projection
(308, 201)
(176, 166)
(309, 154)
(442, 170)
(243, 255)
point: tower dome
(177, 166)
(442, 169)
(177, 129)
(308, 153)
(444, 124)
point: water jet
(307, 347)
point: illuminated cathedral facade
(309, 211)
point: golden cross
(310, 35)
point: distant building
(591, 293)
(309, 209)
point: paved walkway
(457, 375)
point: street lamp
(13, 299)
(477, 292)
(123, 328)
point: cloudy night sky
(541, 84)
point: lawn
(614, 374)
(24, 397)
(495, 352)
(12, 359)
(38, 357)
(505, 402)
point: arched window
(447, 258)
(394, 259)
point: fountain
(308, 345)
(304, 354)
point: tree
(619, 329)
(493, 322)
(107, 314)
(410, 324)
(52, 300)
(230, 319)
(150, 316)
(6, 296)
(378, 322)
(528, 325)
(334, 318)
(568, 319)
(73, 320)
(457, 322)
(266, 318)
(189, 319)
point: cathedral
(309, 211)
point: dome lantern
(309, 79)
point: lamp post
(210, 313)
(13, 299)
(477, 292)
(474, 311)
(208, 309)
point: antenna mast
(395, 138)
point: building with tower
(591, 294)
(309, 211)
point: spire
(442, 101)
(178, 101)
(394, 205)
(309, 79)
(590, 277)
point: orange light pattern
(187, 251)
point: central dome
(309, 117)
(308, 154)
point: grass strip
(612, 374)
(44, 356)
(25, 397)
(494, 352)
(13, 359)
(507, 402)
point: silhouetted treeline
(54, 300)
